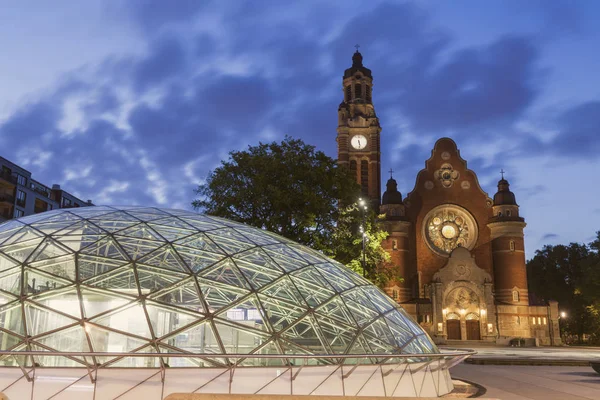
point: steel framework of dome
(146, 280)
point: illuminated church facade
(460, 253)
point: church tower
(508, 248)
(358, 132)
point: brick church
(460, 253)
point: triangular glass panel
(313, 293)
(181, 362)
(293, 349)
(8, 342)
(304, 334)
(137, 248)
(7, 263)
(130, 319)
(41, 320)
(107, 248)
(311, 274)
(226, 272)
(56, 216)
(12, 228)
(338, 280)
(197, 259)
(6, 298)
(90, 266)
(12, 319)
(378, 346)
(106, 340)
(257, 275)
(361, 314)
(77, 242)
(360, 346)
(287, 258)
(50, 227)
(10, 281)
(166, 320)
(202, 223)
(379, 329)
(171, 233)
(400, 317)
(152, 279)
(134, 362)
(381, 302)
(165, 257)
(338, 336)
(54, 361)
(121, 280)
(240, 339)
(219, 295)
(174, 222)
(83, 227)
(284, 289)
(256, 236)
(198, 242)
(22, 250)
(246, 310)
(199, 338)
(308, 254)
(49, 248)
(230, 241)
(96, 302)
(140, 231)
(63, 267)
(184, 294)
(280, 314)
(336, 309)
(64, 300)
(69, 340)
(38, 281)
(147, 214)
(402, 334)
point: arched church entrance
(473, 327)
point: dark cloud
(152, 15)
(166, 60)
(550, 236)
(578, 129)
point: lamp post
(363, 208)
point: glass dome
(132, 279)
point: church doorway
(473, 330)
(453, 328)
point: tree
(293, 190)
(570, 275)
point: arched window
(394, 244)
(368, 94)
(353, 168)
(364, 177)
(394, 294)
(512, 245)
(515, 294)
(508, 213)
(499, 213)
(348, 93)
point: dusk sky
(134, 102)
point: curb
(541, 362)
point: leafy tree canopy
(293, 190)
(570, 274)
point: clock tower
(358, 132)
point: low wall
(182, 396)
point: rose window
(448, 226)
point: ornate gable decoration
(446, 175)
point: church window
(508, 213)
(499, 213)
(512, 245)
(544, 319)
(394, 244)
(533, 320)
(364, 176)
(348, 93)
(368, 94)
(353, 168)
(515, 294)
(358, 91)
(395, 294)
(539, 320)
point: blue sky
(134, 102)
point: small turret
(391, 202)
(505, 206)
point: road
(537, 353)
(512, 382)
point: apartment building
(21, 195)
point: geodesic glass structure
(124, 280)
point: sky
(135, 101)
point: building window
(353, 168)
(533, 320)
(21, 198)
(499, 213)
(512, 245)
(508, 213)
(357, 91)
(394, 244)
(21, 180)
(539, 320)
(66, 202)
(19, 213)
(544, 319)
(515, 294)
(348, 93)
(368, 94)
(364, 177)
(394, 294)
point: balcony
(6, 177)
(41, 191)
(5, 215)
(7, 198)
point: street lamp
(363, 208)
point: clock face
(359, 142)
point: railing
(449, 358)
(7, 198)
(41, 191)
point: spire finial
(357, 46)
(391, 171)
(502, 172)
